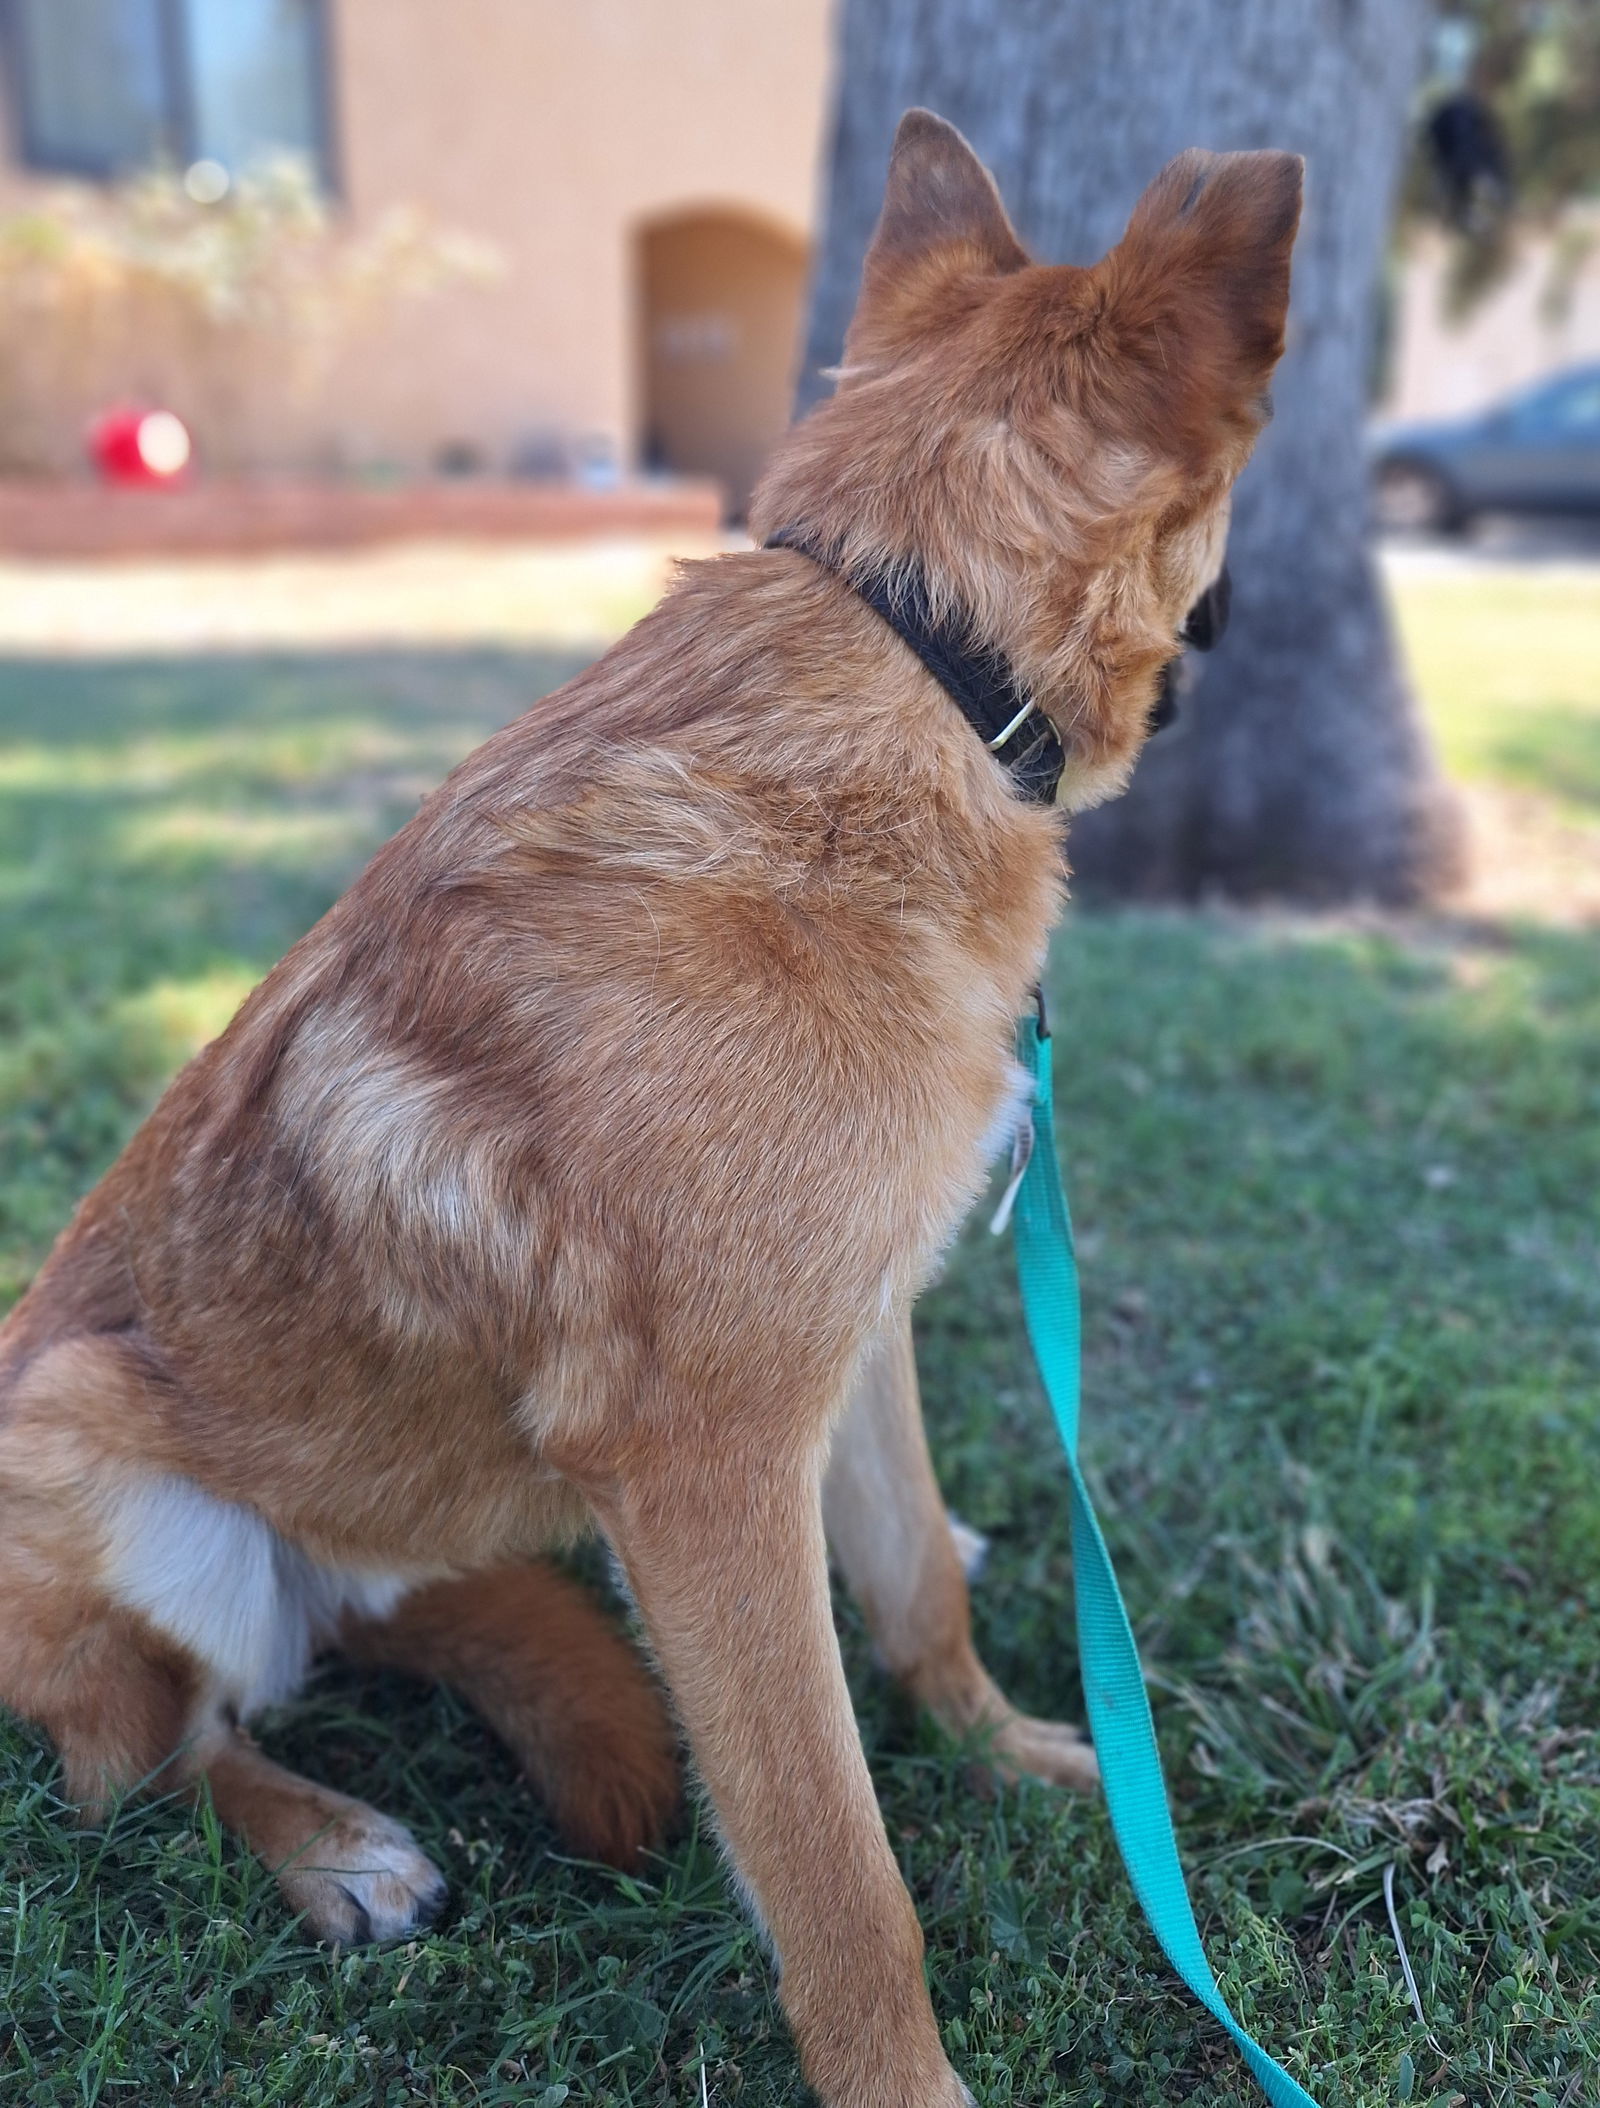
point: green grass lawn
(1336, 1188)
(1511, 663)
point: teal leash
(1113, 1681)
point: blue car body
(1537, 452)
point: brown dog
(583, 1161)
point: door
(720, 310)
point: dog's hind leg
(137, 1611)
(128, 1710)
(558, 1683)
(114, 1697)
(354, 1874)
(889, 1530)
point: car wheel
(1413, 498)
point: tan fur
(889, 1531)
(593, 1146)
(560, 1686)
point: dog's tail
(536, 1655)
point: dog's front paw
(361, 1879)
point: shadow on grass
(231, 754)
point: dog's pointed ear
(942, 219)
(1198, 287)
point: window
(1564, 409)
(101, 86)
(253, 79)
(89, 81)
(1575, 408)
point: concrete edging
(45, 519)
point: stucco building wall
(1536, 320)
(557, 131)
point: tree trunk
(1299, 766)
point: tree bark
(1299, 767)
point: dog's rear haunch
(582, 1163)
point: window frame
(177, 84)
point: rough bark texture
(1299, 767)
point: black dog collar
(978, 680)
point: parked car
(1537, 452)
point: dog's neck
(977, 677)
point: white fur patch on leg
(221, 1582)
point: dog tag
(1021, 1150)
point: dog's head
(1055, 446)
